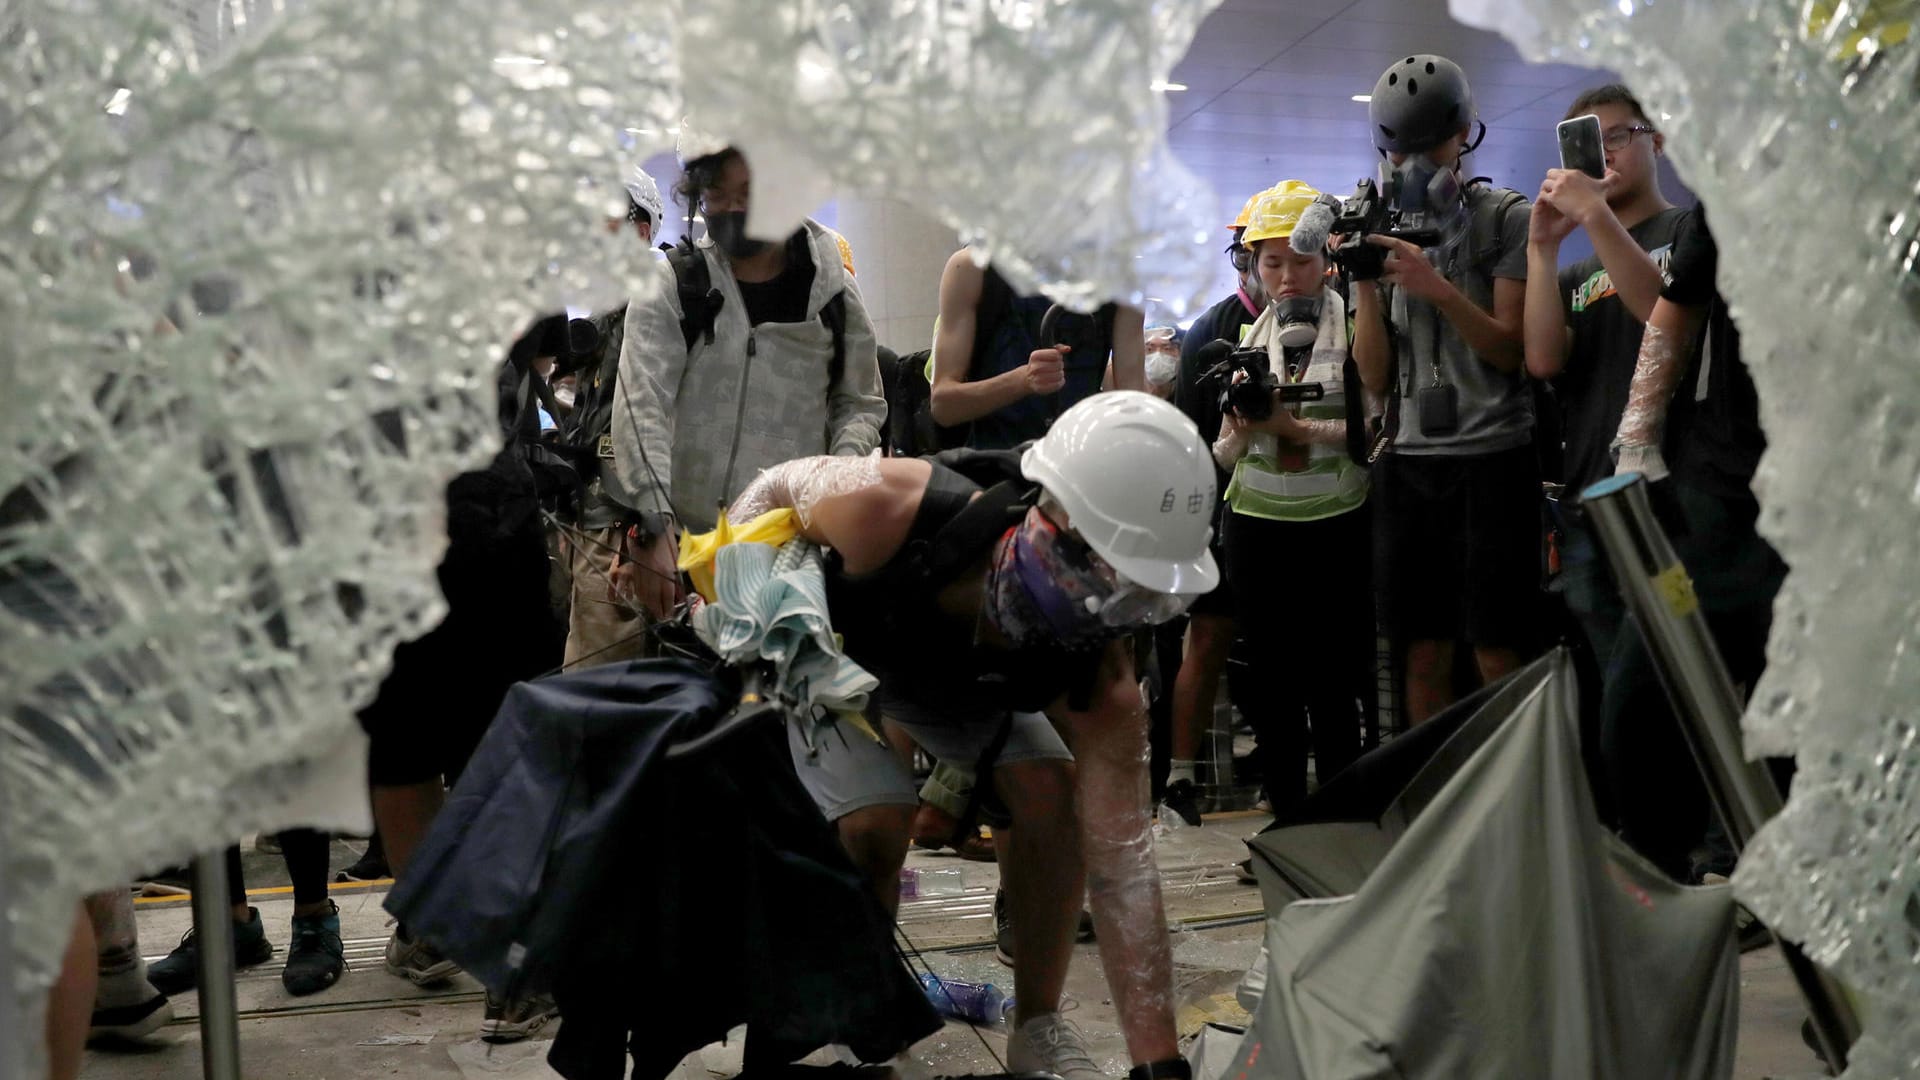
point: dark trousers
(306, 853)
(1304, 597)
(1657, 791)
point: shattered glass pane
(259, 258)
(1798, 127)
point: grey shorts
(852, 772)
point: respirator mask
(1298, 320)
(1427, 197)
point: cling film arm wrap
(801, 484)
(1123, 880)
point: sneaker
(1051, 1044)
(179, 971)
(129, 1023)
(315, 957)
(418, 962)
(516, 1019)
(371, 866)
(1003, 928)
(1244, 871)
(1182, 800)
(267, 844)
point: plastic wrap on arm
(1123, 878)
(1231, 446)
(1655, 374)
(802, 483)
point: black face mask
(728, 228)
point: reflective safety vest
(1329, 482)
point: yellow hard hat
(1240, 222)
(1277, 210)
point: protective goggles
(1074, 574)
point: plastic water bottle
(927, 882)
(979, 1003)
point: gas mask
(1047, 588)
(728, 228)
(1428, 196)
(1298, 319)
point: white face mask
(563, 395)
(1162, 368)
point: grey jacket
(708, 419)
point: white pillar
(898, 254)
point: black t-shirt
(1603, 349)
(783, 299)
(1714, 440)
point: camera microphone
(1311, 231)
(1212, 353)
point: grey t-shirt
(1495, 408)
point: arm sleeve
(653, 357)
(855, 407)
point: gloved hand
(1645, 460)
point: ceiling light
(1363, 97)
(1162, 86)
(643, 131)
(518, 61)
(117, 104)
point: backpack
(700, 305)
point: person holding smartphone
(1456, 490)
(1584, 322)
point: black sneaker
(369, 867)
(1183, 800)
(315, 957)
(179, 971)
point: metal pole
(1660, 595)
(219, 1003)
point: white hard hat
(646, 195)
(1137, 482)
(693, 143)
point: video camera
(1374, 208)
(1250, 398)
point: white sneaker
(1052, 1044)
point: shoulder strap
(700, 302)
(1483, 231)
(1390, 423)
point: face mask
(1162, 368)
(563, 395)
(1299, 320)
(728, 228)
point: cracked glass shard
(259, 259)
(1798, 126)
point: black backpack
(700, 305)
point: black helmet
(1419, 103)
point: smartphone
(1580, 146)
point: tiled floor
(349, 1031)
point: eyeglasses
(1618, 138)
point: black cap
(1419, 103)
